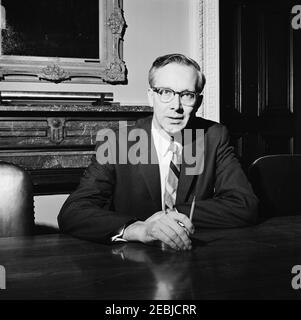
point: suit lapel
(193, 156)
(151, 171)
(185, 180)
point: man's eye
(166, 92)
(188, 95)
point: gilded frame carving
(109, 69)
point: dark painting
(56, 28)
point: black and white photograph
(150, 153)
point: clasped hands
(164, 227)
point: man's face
(172, 116)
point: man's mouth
(176, 118)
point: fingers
(182, 218)
(167, 230)
(176, 233)
(172, 229)
(165, 238)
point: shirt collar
(162, 139)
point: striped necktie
(172, 178)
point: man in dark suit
(142, 190)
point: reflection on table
(248, 263)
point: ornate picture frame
(107, 68)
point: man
(151, 200)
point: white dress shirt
(162, 142)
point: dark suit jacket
(110, 195)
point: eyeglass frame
(180, 93)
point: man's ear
(150, 97)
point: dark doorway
(260, 56)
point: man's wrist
(134, 232)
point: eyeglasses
(187, 98)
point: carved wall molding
(55, 73)
(115, 71)
(116, 21)
(56, 129)
(205, 49)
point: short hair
(178, 58)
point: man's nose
(177, 105)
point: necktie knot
(176, 152)
(173, 147)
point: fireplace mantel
(54, 139)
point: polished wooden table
(248, 263)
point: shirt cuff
(120, 232)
